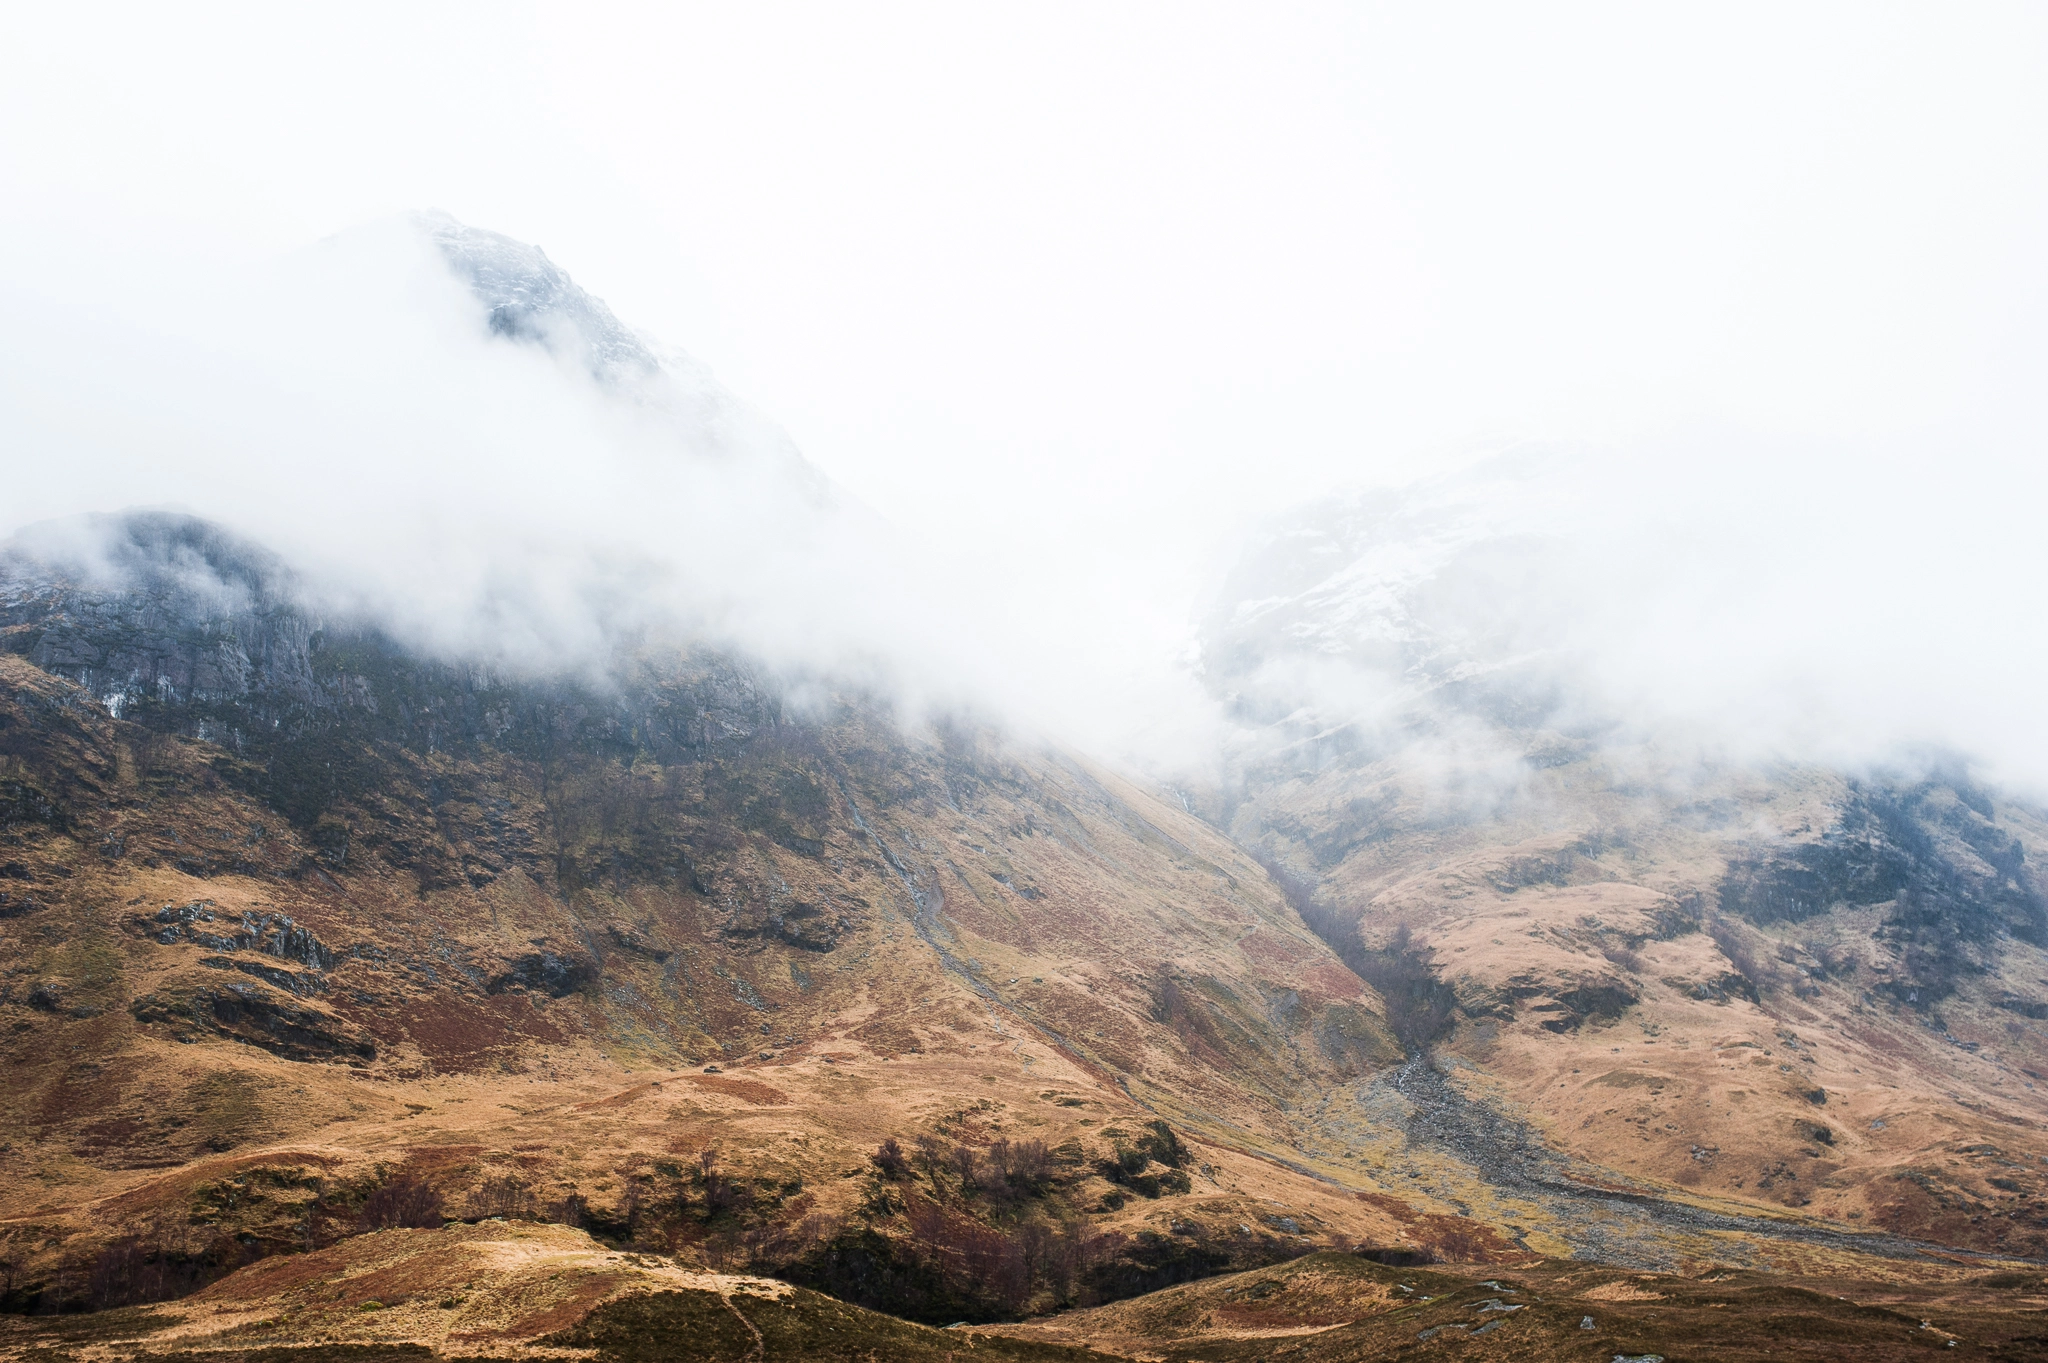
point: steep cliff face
(272, 870)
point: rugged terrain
(1638, 963)
(500, 1290)
(294, 915)
(1339, 1307)
(308, 935)
(700, 1000)
(523, 1290)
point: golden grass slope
(1019, 946)
(1608, 999)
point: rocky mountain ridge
(287, 858)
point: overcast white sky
(1069, 291)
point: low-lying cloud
(440, 434)
(1709, 597)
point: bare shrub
(816, 1229)
(988, 1263)
(134, 1271)
(402, 1201)
(1061, 1253)
(931, 1155)
(965, 1163)
(890, 1161)
(722, 1250)
(1024, 1166)
(128, 1273)
(953, 1266)
(723, 1196)
(505, 1197)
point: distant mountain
(528, 299)
(1810, 988)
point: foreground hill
(499, 1290)
(1335, 1308)
(511, 1290)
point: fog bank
(1709, 596)
(439, 430)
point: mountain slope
(1776, 985)
(324, 924)
(289, 901)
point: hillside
(376, 987)
(1767, 986)
(1330, 1307)
(509, 1290)
(294, 913)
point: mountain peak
(530, 298)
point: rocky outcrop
(271, 934)
(543, 972)
(256, 1015)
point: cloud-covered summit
(1731, 603)
(526, 296)
(438, 430)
